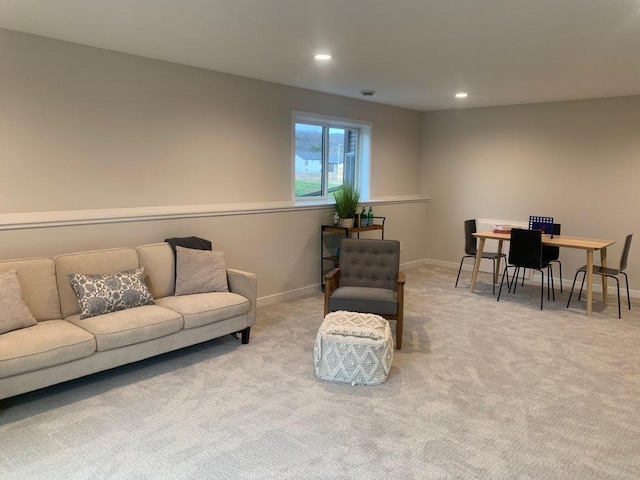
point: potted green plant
(347, 198)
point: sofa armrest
(245, 284)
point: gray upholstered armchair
(368, 280)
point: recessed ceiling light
(323, 56)
(462, 95)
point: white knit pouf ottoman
(355, 348)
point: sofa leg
(245, 335)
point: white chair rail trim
(26, 220)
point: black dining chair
(470, 249)
(608, 272)
(550, 255)
(525, 251)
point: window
(329, 152)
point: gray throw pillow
(14, 313)
(99, 294)
(200, 271)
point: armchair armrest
(400, 313)
(331, 282)
(245, 284)
(400, 292)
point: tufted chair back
(368, 280)
(369, 263)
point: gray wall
(576, 161)
(117, 130)
(83, 128)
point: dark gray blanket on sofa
(188, 242)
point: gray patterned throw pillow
(99, 294)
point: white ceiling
(414, 53)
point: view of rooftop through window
(324, 158)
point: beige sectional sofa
(62, 346)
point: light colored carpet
(481, 390)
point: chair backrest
(625, 252)
(470, 242)
(551, 253)
(368, 262)
(525, 249)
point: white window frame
(363, 153)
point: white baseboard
(313, 289)
(535, 278)
(288, 295)
(442, 263)
(416, 263)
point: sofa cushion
(14, 312)
(159, 268)
(45, 344)
(100, 294)
(133, 325)
(205, 308)
(200, 271)
(38, 282)
(93, 262)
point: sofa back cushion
(38, 283)
(97, 261)
(159, 268)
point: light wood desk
(588, 244)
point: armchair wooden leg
(399, 325)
